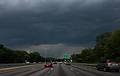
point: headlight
(109, 64)
(117, 65)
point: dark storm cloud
(35, 22)
(53, 24)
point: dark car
(48, 65)
(111, 66)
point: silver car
(112, 66)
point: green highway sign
(66, 56)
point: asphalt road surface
(57, 70)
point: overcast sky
(56, 24)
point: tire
(106, 69)
(98, 69)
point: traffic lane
(21, 70)
(44, 72)
(79, 72)
(93, 70)
(65, 70)
(35, 70)
(92, 66)
(58, 71)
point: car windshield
(59, 37)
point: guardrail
(86, 64)
(15, 64)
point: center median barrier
(17, 67)
(16, 64)
(12, 65)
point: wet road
(57, 70)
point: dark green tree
(35, 57)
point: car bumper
(113, 68)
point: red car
(48, 65)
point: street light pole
(45, 51)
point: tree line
(107, 47)
(17, 56)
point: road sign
(66, 56)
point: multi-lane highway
(57, 70)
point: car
(111, 66)
(27, 62)
(67, 63)
(59, 62)
(54, 62)
(48, 65)
(34, 62)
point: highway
(57, 70)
